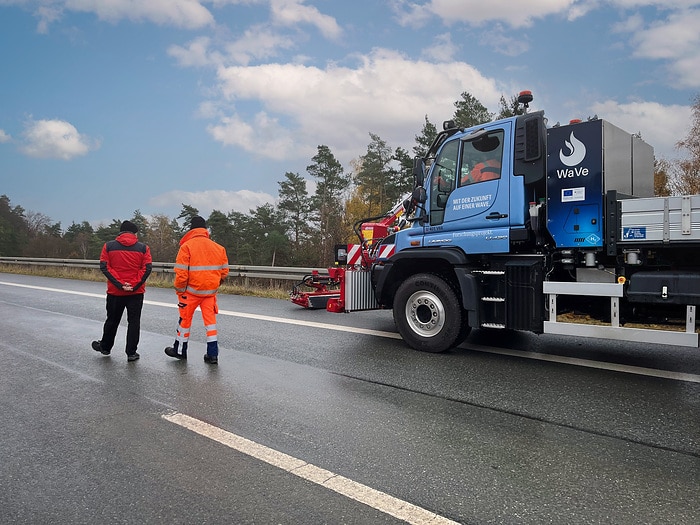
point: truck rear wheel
(428, 314)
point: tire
(428, 314)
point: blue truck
(517, 225)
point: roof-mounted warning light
(524, 98)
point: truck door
(470, 192)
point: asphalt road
(314, 418)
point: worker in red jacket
(126, 263)
(200, 267)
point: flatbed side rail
(613, 331)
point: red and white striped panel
(354, 254)
(386, 251)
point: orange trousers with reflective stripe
(187, 305)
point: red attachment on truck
(324, 288)
(327, 289)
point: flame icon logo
(577, 149)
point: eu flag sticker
(573, 194)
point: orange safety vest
(201, 264)
(487, 170)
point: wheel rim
(425, 314)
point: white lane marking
(258, 317)
(650, 372)
(351, 489)
(615, 367)
(45, 289)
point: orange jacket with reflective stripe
(487, 170)
(201, 264)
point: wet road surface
(508, 428)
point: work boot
(133, 357)
(97, 347)
(211, 359)
(171, 352)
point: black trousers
(115, 309)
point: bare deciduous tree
(685, 174)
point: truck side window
(443, 178)
(481, 159)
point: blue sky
(109, 106)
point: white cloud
(293, 12)
(660, 4)
(660, 125)
(264, 136)
(55, 139)
(256, 43)
(4, 137)
(478, 12)
(47, 15)
(189, 14)
(195, 54)
(205, 201)
(501, 40)
(442, 49)
(675, 40)
(338, 106)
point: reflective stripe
(210, 327)
(211, 338)
(180, 289)
(207, 268)
(180, 266)
(201, 292)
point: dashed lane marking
(350, 489)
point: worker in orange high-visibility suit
(200, 266)
(488, 169)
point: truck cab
(478, 188)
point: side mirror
(419, 195)
(418, 172)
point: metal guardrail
(284, 273)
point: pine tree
(295, 203)
(425, 139)
(327, 201)
(470, 112)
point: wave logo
(577, 151)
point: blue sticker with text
(639, 232)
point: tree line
(301, 229)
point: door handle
(495, 216)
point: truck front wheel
(428, 314)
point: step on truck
(517, 225)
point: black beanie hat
(128, 226)
(197, 222)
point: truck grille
(359, 294)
